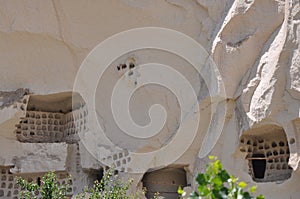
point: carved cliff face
(254, 43)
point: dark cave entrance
(259, 165)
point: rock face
(43, 125)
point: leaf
(217, 181)
(180, 191)
(224, 176)
(242, 184)
(260, 197)
(211, 157)
(252, 189)
(203, 190)
(201, 179)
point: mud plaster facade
(254, 43)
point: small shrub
(216, 183)
(50, 188)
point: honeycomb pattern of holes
(25, 128)
(120, 155)
(44, 122)
(274, 144)
(124, 161)
(275, 153)
(57, 116)
(32, 115)
(40, 133)
(250, 150)
(128, 159)
(10, 178)
(278, 167)
(3, 185)
(281, 143)
(50, 115)
(16, 186)
(269, 153)
(44, 128)
(272, 166)
(27, 115)
(281, 151)
(10, 185)
(55, 129)
(242, 149)
(254, 143)
(61, 129)
(31, 121)
(9, 194)
(270, 160)
(39, 128)
(115, 157)
(287, 151)
(284, 167)
(276, 160)
(31, 133)
(126, 153)
(61, 122)
(25, 133)
(44, 116)
(16, 192)
(261, 141)
(249, 142)
(37, 116)
(267, 146)
(18, 132)
(122, 169)
(282, 159)
(292, 140)
(3, 178)
(32, 127)
(260, 147)
(38, 122)
(55, 122)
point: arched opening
(52, 117)
(267, 152)
(165, 182)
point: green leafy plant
(109, 187)
(112, 187)
(216, 183)
(50, 188)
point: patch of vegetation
(216, 183)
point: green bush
(109, 187)
(49, 186)
(216, 183)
